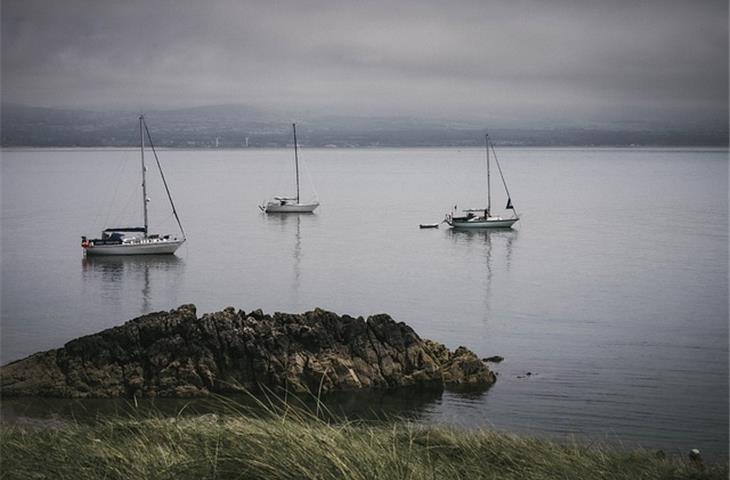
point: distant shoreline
(14, 148)
(245, 127)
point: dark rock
(493, 359)
(176, 354)
(463, 367)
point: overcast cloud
(520, 60)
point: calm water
(612, 291)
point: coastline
(287, 415)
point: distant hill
(236, 126)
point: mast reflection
(491, 245)
(291, 225)
(129, 277)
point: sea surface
(612, 290)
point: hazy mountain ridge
(235, 126)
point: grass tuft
(278, 440)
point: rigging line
(305, 168)
(283, 180)
(116, 190)
(311, 184)
(281, 184)
(285, 176)
(502, 176)
(167, 189)
(119, 217)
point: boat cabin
(116, 236)
(286, 200)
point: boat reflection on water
(291, 226)
(495, 246)
(490, 239)
(468, 237)
(120, 278)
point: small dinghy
(429, 225)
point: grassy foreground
(291, 443)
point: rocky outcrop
(177, 354)
(493, 359)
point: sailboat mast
(144, 170)
(164, 182)
(489, 193)
(296, 157)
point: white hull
(143, 247)
(276, 207)
(482, 223)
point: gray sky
(518, 60)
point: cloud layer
(518, 61)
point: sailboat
(284, 204)
(482, 217)
(137, 240)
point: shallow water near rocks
(612, 291)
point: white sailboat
(289, 204)
(474, 218)
(137, 240)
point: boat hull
(160, 247)
(482, 224)
(273, 207)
